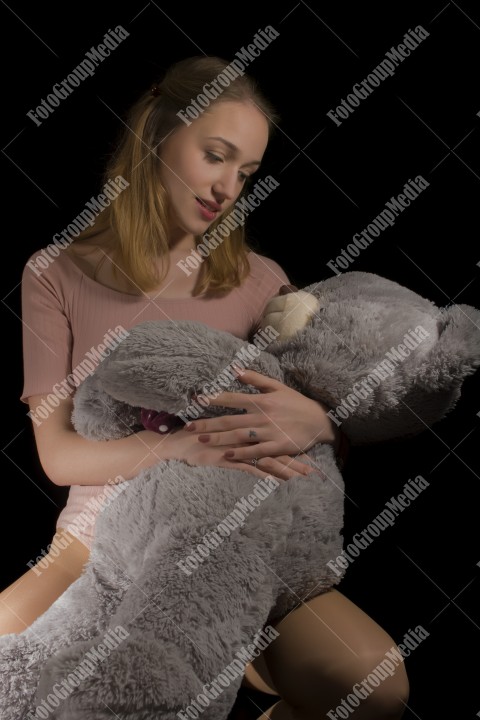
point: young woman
(178, 177)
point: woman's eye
(213, 158)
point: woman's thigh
(37, 589)
(323, 649)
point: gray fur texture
(183, 629)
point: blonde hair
(138, 216)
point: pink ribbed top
(65, 313)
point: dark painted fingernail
(204, 438)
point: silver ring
(254, 462)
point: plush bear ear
(456, 354)
(386, 361)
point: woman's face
(204, 165)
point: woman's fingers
(248, 452)
(243, 436)
(264, 383)
(254, 470)
(244, 400)
(259, 461)
(284, 466)
(223, 423)
(239, 400)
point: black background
(333, 182)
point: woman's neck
(95, 258)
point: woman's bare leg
(324, 648)
(36, 590)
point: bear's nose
(286, 289)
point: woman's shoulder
(263, 267)
(62, 264)
(49, 263)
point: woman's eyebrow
(233, 148)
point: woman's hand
(279, 421)
(184, 445)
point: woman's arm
(70, 459)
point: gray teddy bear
(191, 565)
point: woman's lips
(206, 210)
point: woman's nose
(225, 186)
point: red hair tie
(160, 422)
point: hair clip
(155, 90)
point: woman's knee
(376, 683)
(37, 589)
(370, 686)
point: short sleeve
(46, 331)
